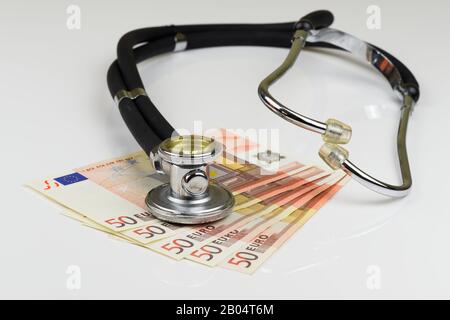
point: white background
(57, 114)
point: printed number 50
(178, 245)
(207, 251)
(243, 258)
(150, 231)
(121, 222)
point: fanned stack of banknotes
(270, 208)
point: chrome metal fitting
(180, 42)
(189, 197)
(132, 94)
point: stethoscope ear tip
(334, 155)
(337, 132)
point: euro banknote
(221, 245)
(246, 253)
(251, 252)
(112, 192)
(109, 196)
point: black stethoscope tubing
(143, 119)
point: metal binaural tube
(380, 186)
(298, 42)
(333, 131)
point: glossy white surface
(57, 115)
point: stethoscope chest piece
(189, 197)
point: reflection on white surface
(367, 231)
(191, 277)
(372, 111)
(309, 266)
(375, 111)
(342, 221)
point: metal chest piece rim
(189, 197)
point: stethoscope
(189, 197)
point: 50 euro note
(289, 183)
(223, 244)
(190, 243)
(109, 196)
(111, 193)
(241, 144)
(249, 253)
